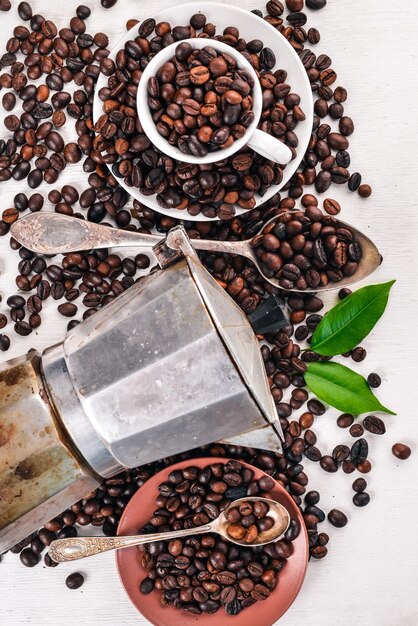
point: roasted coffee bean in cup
(200, 100)
(306, 250)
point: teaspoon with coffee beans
(247, 522)
(301, 251)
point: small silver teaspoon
(75, 548)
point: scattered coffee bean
(315, 5)
(364, 191)
(337, 518)
(359, 451)
(374, 425)
(361, 499)
(374, 380)
(359, 485)
(401, 451)
(68, 309)
(345, 420)
(74, 581)
(4, 342)
(356, 430)
(358, 354)
(29, 558)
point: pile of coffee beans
(205, 573)
(213, 190)
(306, 249)
(201, 101)
(248, 520)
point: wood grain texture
(369, 577)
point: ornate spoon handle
(52, 233)
(75, 548)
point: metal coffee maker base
(40, 473)
(170, 365)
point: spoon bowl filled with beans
(311, 251)
(200, 102)
(254, 521)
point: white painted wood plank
(369, 576)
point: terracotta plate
(262, 613)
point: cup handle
(270, 147)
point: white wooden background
(369, 577)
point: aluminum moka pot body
(170, 365)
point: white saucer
(250, 27)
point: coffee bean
(68, 309)
(359, 451)
(364, 191)
(374, 380)
(328, 463)
(4, 342)
(356, 430)
(348, 467)
(354, 181)
(346, 126)
(401, 451)
(16, 302)
(75, 580)
(359, 485)
(341, 453)
(337, 518)
(374, 425)
(332, 207)
(361, 499)
(29, 558)
(313, 454)
(315, 5)
(316, 407)
(22, 328)
(345, 420)
(260, 592)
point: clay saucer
(131, 572)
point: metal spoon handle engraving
(75, 548)
(52, 233)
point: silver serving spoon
(75, 548)
(52, 233)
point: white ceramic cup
(259, 141)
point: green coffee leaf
(342, 388)
(347, 323)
